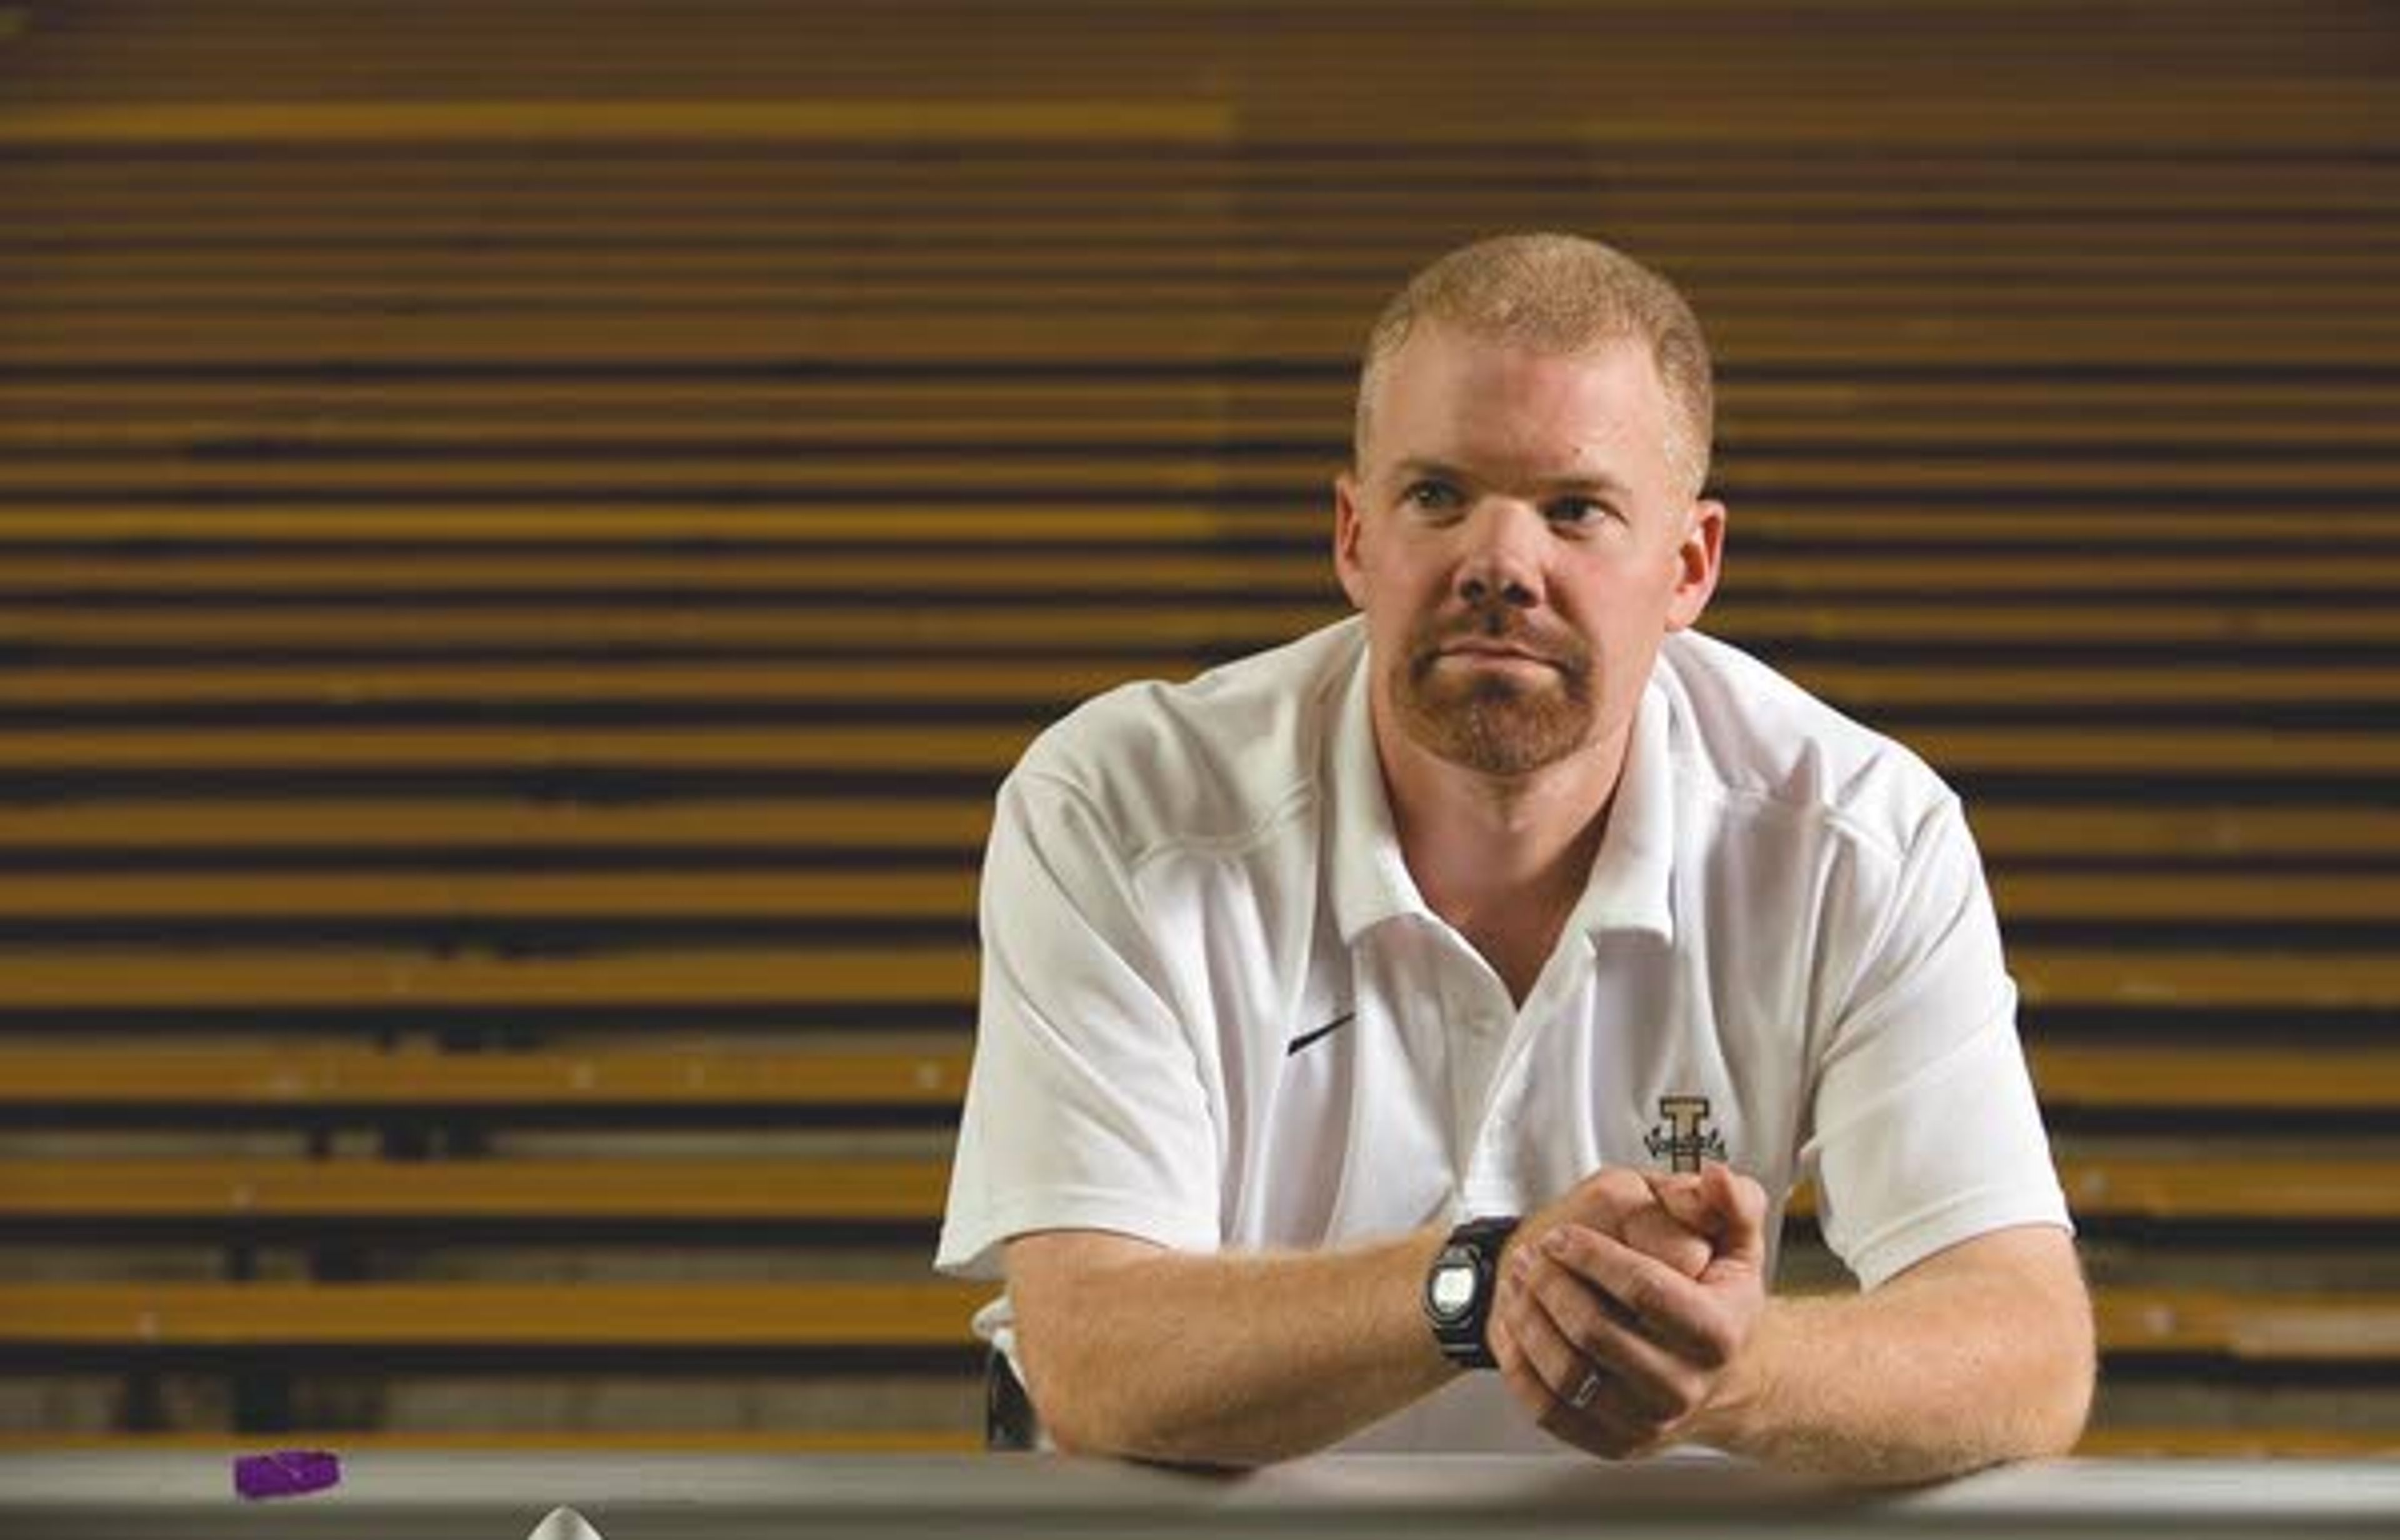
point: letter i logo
(1682, 1138)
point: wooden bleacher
(512, 600)
(514, 1319)
(237, 1190)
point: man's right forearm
(1220, 1359)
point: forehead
(1511, 410)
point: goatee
(1491, 721)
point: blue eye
(1429, 494)
(1573, 510)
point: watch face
(1451, 1289)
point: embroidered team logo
(1682, 1138)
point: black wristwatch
(1459, 1286)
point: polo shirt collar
(1630, 884)
(1371, 877)
(1631, 881)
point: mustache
(1502, 623)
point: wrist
(1735, 1409)
(1459, 1287)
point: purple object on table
(286, 1473)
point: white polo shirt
(1216, 1015)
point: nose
(1502, 561)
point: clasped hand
(1622, 1305)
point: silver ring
(1586, 1392)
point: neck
(1502, 858)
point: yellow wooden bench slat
(792, 976)
(2165, 753)
(995, 567)
(2127, 335)
(2119, 1185)
(1300, 474)
(1127, 266)
(950, 824)
(2010, 831)
(1996, 415)
(684, 279)
(305, 1077)
(983, 680)
(2186, 1187)
(859, 893)
(2264, 897)
(2315, 1079)
(461, 122)
(938, 749)
(2311, 1327)
(1053, 473)
(1349, 205)
(1275, 245)
(696, 1189)
(1761, 170)
(686, 1189)
(1001, 569)
(1033, 401)
(1062, 418)
(2191, 1187)
(2006, 831)
(463, 520)
(943, 978)
(1967, 405)
(581, 1314)
(1223, 423)
(1317, 194)
(934, 1073)
(969, 628)
(468, 520)
(1747, 180)
(103, 289)
(1300, 477)
(953, 627)
(769, 1315)
(1274, 248)
(2153, 979)
(1757, 178)
(795, 1440)
(1045, 684)
(334, 979)
(2025, 81)
(854, 892)
(1899, 684)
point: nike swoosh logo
(1307, 1038)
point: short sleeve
(1925, 1129)
(1084, 1108)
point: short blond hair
(1562, 294)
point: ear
(1698, 558)
(1348, 531)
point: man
(1407, 1038)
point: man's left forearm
(1979, 1355)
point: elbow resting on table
(1066, 1410)
(1088, 1404)
(2060, 1422)
(1093, 1391)
(2053, 1316)
(2039, 1312)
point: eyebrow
(1409, 469)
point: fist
(1614, 1337)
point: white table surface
(425, 1495)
